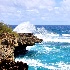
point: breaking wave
(52, 66)
(27, 27)
(55, 54)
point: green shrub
(4, 28)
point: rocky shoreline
(12, 65)
(10, 46)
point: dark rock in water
(12, 65)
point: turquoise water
(53, 53)
(48, 56)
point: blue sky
(37, 12)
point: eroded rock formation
(10, 45)
(7, 46)
(24, 40)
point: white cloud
(46, 10)
(33, 10)
(43, 18)
(32, 4)
(64, 10)
(65, 4)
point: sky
(37, 12)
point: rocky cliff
(11, 46)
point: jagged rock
(12, 65)
(11, 46)
(9, 43)
(29, 39)
(6, 52)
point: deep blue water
(60, 29)
(53, 53)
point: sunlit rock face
(7, 59)
(28, 38)
(7, 43)
(11, 45)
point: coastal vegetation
(12, 42)
(4, 28)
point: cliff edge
(10, 46)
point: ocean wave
(66, 35)
(63, 66)
(52, 66)
(42, 33)
(29, 47)
(35, 63)
(25, 27)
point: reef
(10, 46)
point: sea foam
(47, 36)
(37, 63)
(25, 27)
(42, 33)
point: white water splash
(29, 47)
(48, 49)
(37, 63)
(25, 27)
(66, 35)
(63, 66)
(42, 33)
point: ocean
(53, 53)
